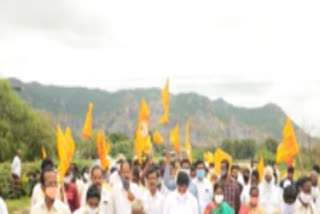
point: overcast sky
(248, 52)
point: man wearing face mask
(181, 200)
(85, 177)
(205, 191)
(289, 198)
(49, 185)
(93, 199)
(246, 186)
(124, 193)
(71, 192)
(96, 178)
(269, 194)
(230, 187)
(315, 189)
(170, 181)
(304, 203)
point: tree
(22, 128)
(271, 144)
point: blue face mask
(200, 173)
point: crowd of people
(173, 187)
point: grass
(17, 204)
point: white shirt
(105, 201)
(16, 166)
(3, 207)
(57, 208)
(176, 203)
(316, 197)
(300, 209)
(114, 179)
(269, 197)
(163, 190)
(245, 194)
(120, 201)
(153, 204)
(205, 192)
(82, 210)
(38, 195)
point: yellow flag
(62, 154)
(102, 149)
(165, 103)
(288, 147)
(174, 138)
(86, 129)
(157, 137)
(208, 157)
(43, 151)
(70, 147)
(219, 156)
(187, 145)
(142, 141)
(260, 167)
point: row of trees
(248, 148)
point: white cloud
(249, 52)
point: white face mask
(86, 176)
(67, 179)
(305, 198)
(92, 210)
(218, 199)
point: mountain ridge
(211, 120)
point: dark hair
(226, 162)
(84, 169)
(75, 167)
(316, 168)
(136, 172)
(198, 162)
(43, 172)
(255, 173)
(185, 161)
(152, 170)
(45, 163)
(113, 169)
(93, 192)
(182, 179)
(302, 180)
(96, 167)
(290, 169)
(290, 194)
(235, 167)
(217, 186)
(246, 170)
(254, 188)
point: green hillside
(211, 121)
(21, 127)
